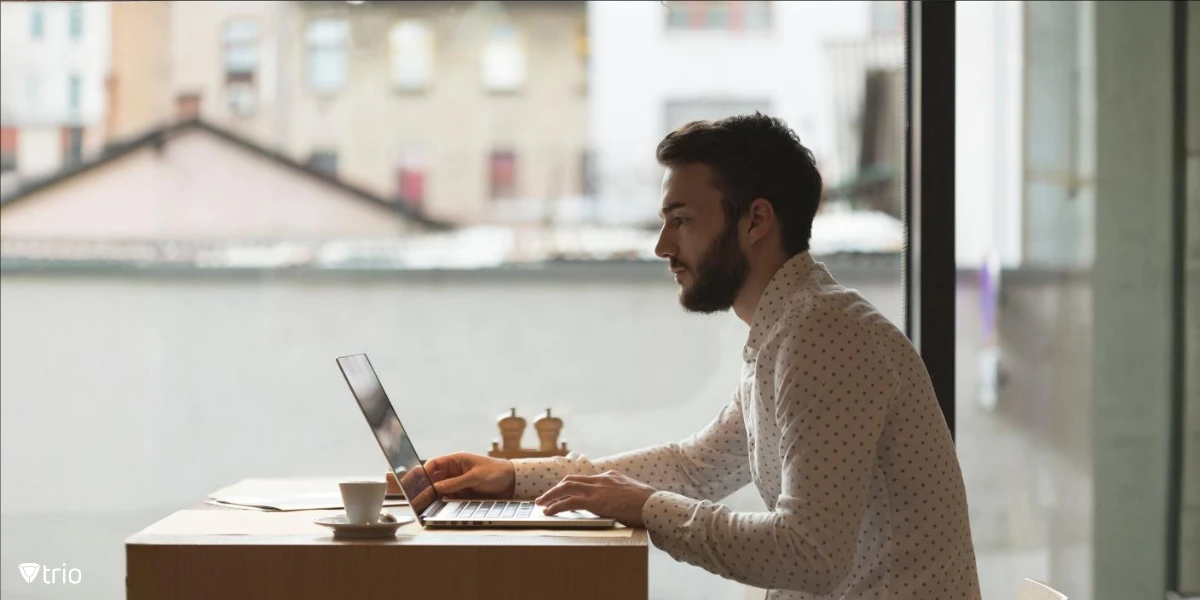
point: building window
(587, 174)
(411, 169)
(503, 174)
(326, 40)
(33, 91)
(72, 141)
(504, 61)
(731, 15)
(74, 91)
(412, 55)
(240, 40)
(75, 21)
(37, 23)
(324, 161)
(8, 148)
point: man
(834, 420)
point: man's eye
(677, 221)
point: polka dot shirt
(835, 422)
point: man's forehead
(688, 186)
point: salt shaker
(548, 428)
(512, 428)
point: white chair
(1034, 590)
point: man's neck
(757, 280)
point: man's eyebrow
(670, 207)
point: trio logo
(29, 572)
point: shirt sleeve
(832, 394)
(710, 464)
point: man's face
(703, 249)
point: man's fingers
(564, 488)
(455, 484)
(566, 503)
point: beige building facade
(472, 112)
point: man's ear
(761, 219)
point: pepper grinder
(512, 428)
(548, 428)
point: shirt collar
(789, 278)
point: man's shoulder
(829, 305)
(834, 314)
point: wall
(189, 383)
(140, 95)
(189, 191)
(128, 396)
(1189, 554)
(1134, 289)
(39, 151)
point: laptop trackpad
(575, 514)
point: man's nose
(665, 248)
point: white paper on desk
(287, 494)
(311, 501)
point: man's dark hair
(753, 156)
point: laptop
(431, 508)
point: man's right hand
(465, 475)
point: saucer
(342, 528)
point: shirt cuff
(666, 514)
(536, 475)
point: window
(327, 40)
(503, 60)
(503, 174)
(33, 90)
(72, 138)
(412, 55)
(8, 148)
(587, 174)
(75, 21)
(733, 16)
(241, 38)
(37, 23)
(324, 161)
(241, 46)
(73, 93)
(410, 177)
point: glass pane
(1064, 339)
(188, 315)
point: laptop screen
(384, 423)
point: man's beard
(718, 277)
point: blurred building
(52, 70)
(466, 111)
(655, 66)
(191, 183)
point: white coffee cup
(363, 500)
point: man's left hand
(609, 494)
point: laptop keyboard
(493, 510)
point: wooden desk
(302, 564)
